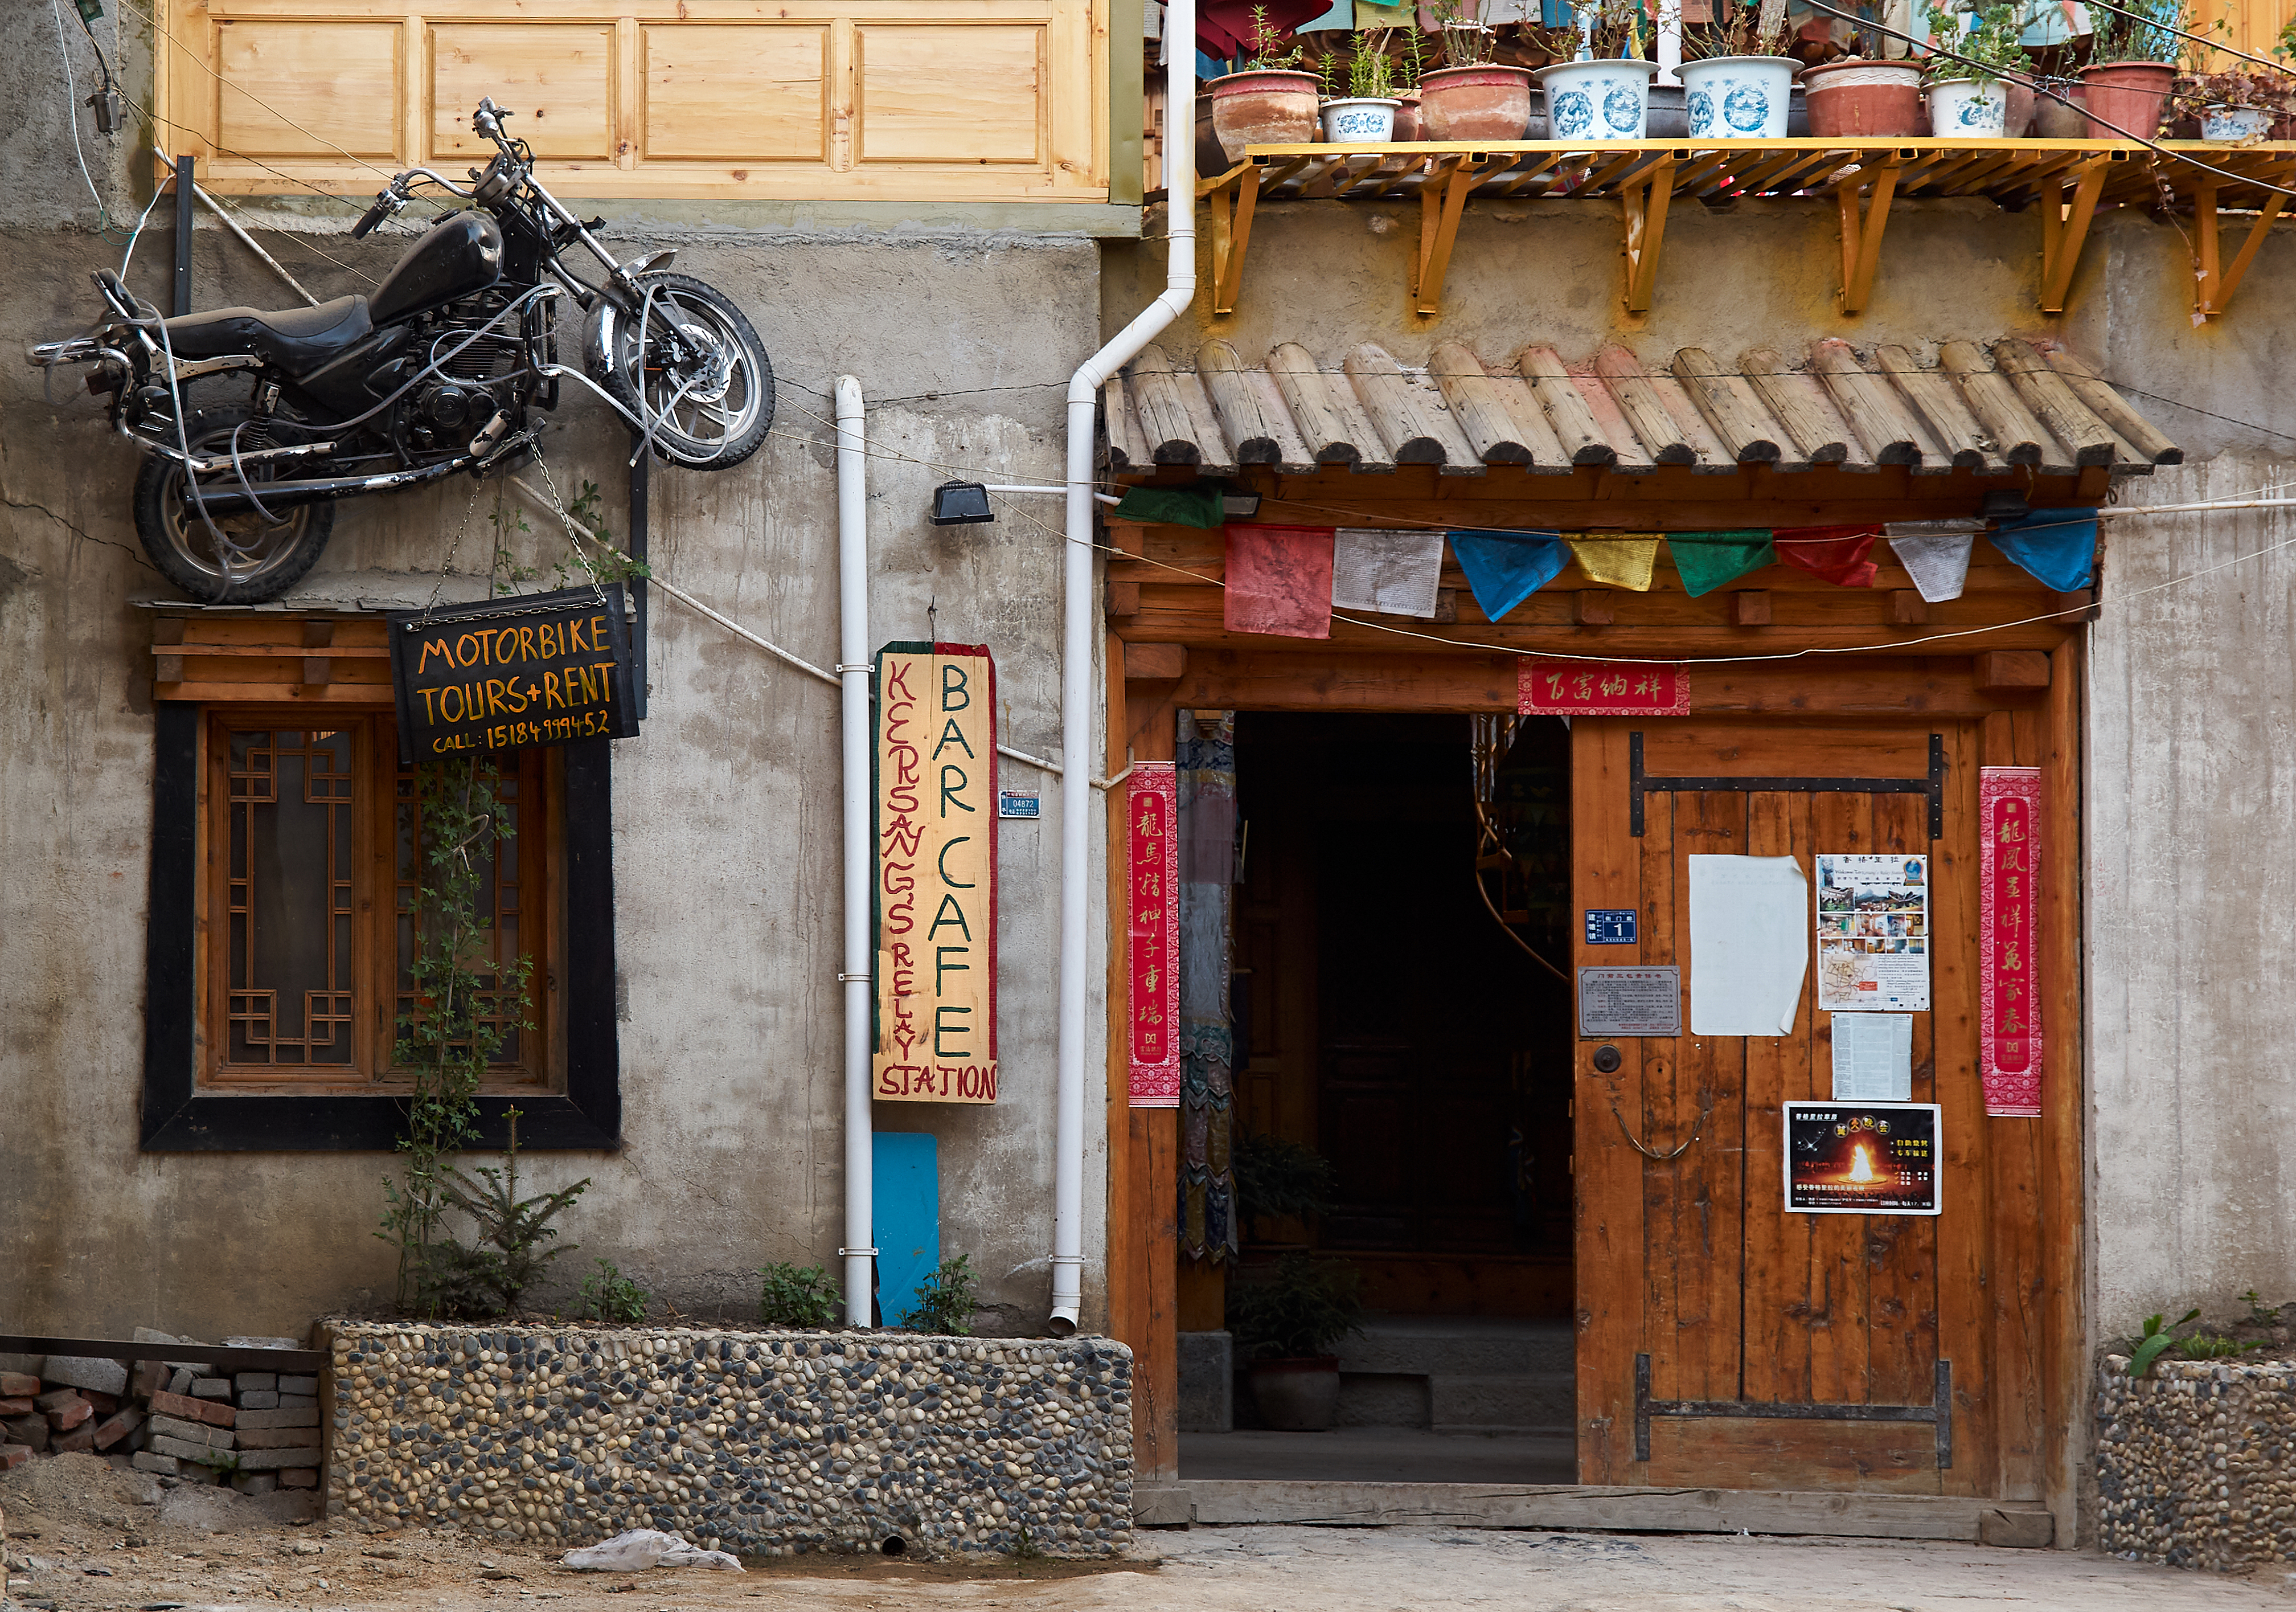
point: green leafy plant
(1273, 1177)
(609, 1296)
(1299, 1309)
(2157, 1341)
(2147, 35)
(1370, 74)
(944, 1300)
(509, 1257)
(796, 1296)
(1412, 66)
(1986, 49)
(2203, 1346)
(1268, 55)
(457, 1028)
(1467, 42)
(2259, 1313)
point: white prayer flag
(1391, 573)
(1935, 554)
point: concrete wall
(726, 832)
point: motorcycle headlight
(493, 185)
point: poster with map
(1873, 934)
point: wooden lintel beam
(1999, 670)
(1861, 234)
(2217, 279)
(1907, 608)
(1442, 202)
(1154, 662)
(1646, 199)
(1594, 607)
(1749, 607)
(1232, 207)
(2065, 217)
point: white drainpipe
(1079, 700)
(859, 1252)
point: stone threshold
(1651, 1510)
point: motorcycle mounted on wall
(444, 368)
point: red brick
(150, 1377)
(72, 1443)
(13, 1456)
(58, 1399)
(105, 1403)
(118, 1428)
(63, 1419)
(16, 1384)
(191, 1409)
(32, 1430)
(15, 1407)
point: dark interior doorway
(1389, 1018)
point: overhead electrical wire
(2170, 28)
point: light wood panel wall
(860, 99)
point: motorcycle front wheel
(256, 559)
(697, 377)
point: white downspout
(860, 1251)
(1077, 699)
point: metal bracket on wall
(1933, 786)
(1939, 1410)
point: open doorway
(1400, 916)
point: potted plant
(1409, 71)
(1856, 97)
(1737, 80)
(1472, 97)
(1968, 91)
(1285, 1325)
(1365, 114)
(2132, 68)
(1277, 1180)
(2239, 106)
(1606, 94)
(1269, 101)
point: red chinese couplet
(1152, 817)
(1601, 689)
(2009, 866)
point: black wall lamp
(961, 504)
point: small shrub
(2201, 1345)
(796, 1296)
(612, 1296)
(2157, 1341)
(944, 1302)
(1300, 1311)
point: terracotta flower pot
(2018, 123)
(1858, 98)
(2053, 119)
(2126, 95)
(1474, 104)
(1297, 1395)
(1273, 108)
(1409, 124)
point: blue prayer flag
(1504, 568)
(2057, 546)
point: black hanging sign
(542, 669)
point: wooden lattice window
(313, 835)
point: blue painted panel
(906, 1202)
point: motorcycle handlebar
(488, 119)
(374, 216)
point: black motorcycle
(440, 370)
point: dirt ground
(82, 1537)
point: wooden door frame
(2033, 1281)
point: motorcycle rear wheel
(704, 384)
(271, 560)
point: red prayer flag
(1279, 581)
(1836, 553)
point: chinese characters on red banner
(1601, 689)
(1152, 816)
(2009, 864)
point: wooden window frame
(581, 1058)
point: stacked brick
(256, 1430)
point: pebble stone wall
(2196, 1463)
(763, 1444)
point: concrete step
(1544, 1403)
(1459, 1346)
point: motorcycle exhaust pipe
(232, 498)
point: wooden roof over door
(2007, 407)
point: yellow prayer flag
(1620, 562)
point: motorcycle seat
(296, 340)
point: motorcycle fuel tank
(462, 253)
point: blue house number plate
(1610, 927)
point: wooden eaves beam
(1646, 195)
(1442, 202)
(2066, 213)
(1233, 197)
(2213, 286)
(1861, 231)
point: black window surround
(180, 1118)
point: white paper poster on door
(1749, 944)
(1873, 934)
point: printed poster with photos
(1873, 934)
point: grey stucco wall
(728, 837)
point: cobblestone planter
(766, 1443)
(2196, 1464)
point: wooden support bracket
(1861, 233)
(2066, 213)
(1646, 196)
(2213, 286)
(1233, 200)
(1442, 201)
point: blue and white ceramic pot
(1738, 97)
(1966, 109)
(1359, 120)
(2234, 125)
(1594, 101)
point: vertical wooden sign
(2009, 1002)
(935, 886)
(1152, 819)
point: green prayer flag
(1708, 559)
(1200, 504)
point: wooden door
(1723, 1341)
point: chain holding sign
(935, 767)
(542, 669)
